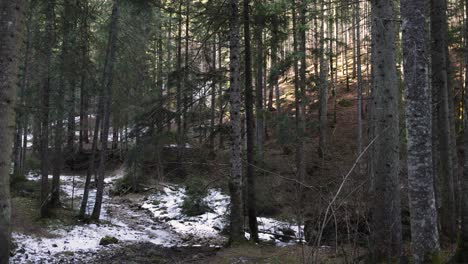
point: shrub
(193, 203)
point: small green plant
(193, 203)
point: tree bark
(323, 93)
(386, 205)
(49, 13)
(235, 179)
(250, 172)
(424, 234)
(441, 131)
(10, 34)
(462, 251)
(359, 75)
(259, 83)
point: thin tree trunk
(274, 70)
(92, 160)
(323, 109)
(49, 12)
(462, 251)
(186, 90)
(235, 179)
(424, 234)
(259, 85)
(359, 76)
(179, 81)
(57, 165)
(107, 86)
(249, 116)
(213, 98)
(221, 99)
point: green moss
(107, 240)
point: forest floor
(149, 227)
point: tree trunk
(92, 160)
(179, 81)
(386, 207)
(462, 251)
(186, 90)
(441, 132)
(235, 179)
(107, 86)
(250, 172)
(10, 34)
(213, 98)
(323, 108)
(58, 161)
(84, 122)
(259, 84)
(424, 234)
(274, 70)
(359, 74)
(45, 109)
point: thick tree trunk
(441, 132)
(107, 86)
(10, 34)
(235, 179)
(424, 234)
(386, 207)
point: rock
(54, 245)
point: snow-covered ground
(207, 228)
(156, 218)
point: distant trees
(10, 34)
